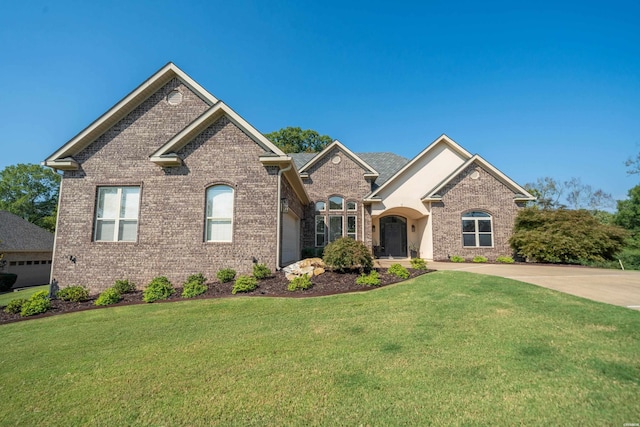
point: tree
(633, 164)
(296, 140)
(628, 215)
(565, 236)
(31, 192)
(549, 194)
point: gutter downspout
(279, 215)
(55, 235)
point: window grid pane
(117, 213)
(335, 228)
(336, 203)
(219, 212)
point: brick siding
(171, 223)
(463, 194)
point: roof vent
(174, 97)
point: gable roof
(166, 156)
(62, 158)
(19, 235)
(441, 139)
(520, 193)
(369, 171)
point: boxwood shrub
(124, 286)
(15, 305)
(371, 279)
(109, 296)
(158, 289)
(73, 294)
(261, 271)
(226, 275)
(38, 303)
(398, 271)
(301, 282)
(244, 284)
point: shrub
(371, 279)
(7, 280)
(38, 303)
(479, 259)
(15, 306)
(73, 293)
(301, 282)
(261, 271)
(456, 258)
(565, 236)
(197, 278)
(226, 275)
(418, 264)
(505, 260)
(109, 296)
(347, 254)
(124, 286)
(398, 271)
(159, 288)
(244, 284)
(193, 289)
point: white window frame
(223, 219)
(468, 216)
(119, 214)
(323, 233)
(321, 208)
(353, 234)
(355, 206)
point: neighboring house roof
(520, 193)
(370, 172)
(62, 159)
(441, 139)
(19, 235)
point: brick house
(171, 181)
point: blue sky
(546, 88)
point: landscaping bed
(328, 283)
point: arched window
(321, 206)
(336, 203)
(219, 213)
(477, 229)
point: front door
(393, 236)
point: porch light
(413, 228)
(373, 228)
(284, 205)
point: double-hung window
(219, 213)
(117, 214)
(477, 230)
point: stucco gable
(419, 162)
(62, 159)
(520, 194)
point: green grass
(445, 348)
(25, 293)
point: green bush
(197, 278)
(15, 306)
(565, 236)
(226, 275)
(418, 264)
(6, 281)
(505, 260)
(398, 271)
(371, 279)
(347, 254)
(124, 286)
(193, 289)
(159, 288)
(109, 296)
(38, 303)
(301, 282)
(73, 293)
(244, 284)
(261, 271)
(479, 259)
(456, 258)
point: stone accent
(171, 226)
(310, 266)
(345, 179)
(463, 194)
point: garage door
(290, 238)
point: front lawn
(444, 348)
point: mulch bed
(329, 283)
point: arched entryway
(393, 236)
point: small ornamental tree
(347, 254)
(565, 236)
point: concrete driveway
(615, 287)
